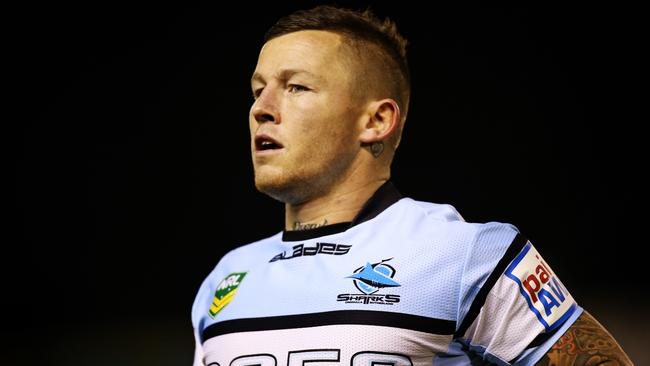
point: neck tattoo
(377, 148)
(297, 225)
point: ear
(380, 121)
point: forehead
(320, 53)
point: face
(305, 120)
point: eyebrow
(283, 75)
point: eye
(295, 88)
(257, 93)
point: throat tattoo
(297, 225)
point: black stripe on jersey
(515, 248)
(383, 198)
(341, 317)
(541, 338)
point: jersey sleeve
(198, 350)
(513, 306)
(197, 323)
(198, 314)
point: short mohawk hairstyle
(359, 27)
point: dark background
(133, 176)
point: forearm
(586, 343)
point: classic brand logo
(370, 279)
(301, 250)
(225, 292)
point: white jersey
(405, 283)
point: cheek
(251, 119)
(323, 123)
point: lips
(264, 142)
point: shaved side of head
(375, 48)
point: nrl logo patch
(225, 292)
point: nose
(265, 108)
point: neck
(340, 204)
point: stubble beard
(292, 190)
(301, 184)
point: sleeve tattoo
(586, 343)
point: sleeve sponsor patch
(546, 296)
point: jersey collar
(383, 198)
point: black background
(133, 176)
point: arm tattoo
(297, 225)
(586, 343)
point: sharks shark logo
(369, 279)
(373, 277)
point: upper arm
(198, 350)
(520, 310)
(586, 342)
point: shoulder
(253, 250)
(435, 211)
(235, 262)
(445, 219)
(246, 255)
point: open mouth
(264, 143)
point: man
(361, 275)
